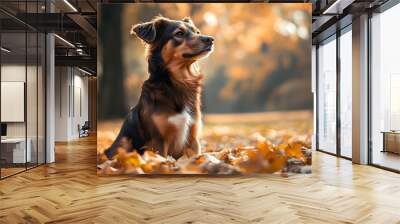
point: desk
(13, 150)
(391, 141)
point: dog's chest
(182, 123)
(174, 128)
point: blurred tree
(112, 97)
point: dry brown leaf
(227, 153)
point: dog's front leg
(194, 146)
(165, 148)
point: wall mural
(216, 88)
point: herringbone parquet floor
(70, 192)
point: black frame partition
(318, 81)
(333, 34)
(338, 29)
(340, 75)
(343, 25)
(28, 54)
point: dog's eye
(179, 34)
(197, 32)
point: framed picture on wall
(216, 88)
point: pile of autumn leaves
(281, 152)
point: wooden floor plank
(69, 191)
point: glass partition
(14, 153)
(385, 89)
(327, 95)
(32, 95)
(22, 88)
(346, 93)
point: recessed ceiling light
(84, 71)
(5, 50)
(70, 5)
(337, 7)
(64, 40)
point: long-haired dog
(167, 117)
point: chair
(84, 130)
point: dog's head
(176, 40)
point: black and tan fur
(167, 117)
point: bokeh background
(261, 61)
(257, 89)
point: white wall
(71, 93)
(62, 81)
(15, 73)
(33, 126)
(80, 100)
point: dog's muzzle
(208, 41)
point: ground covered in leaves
(231, 147)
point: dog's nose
(207, 39)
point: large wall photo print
(216, 88)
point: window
(346, 93)
(385, 89)
(327, 96)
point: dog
(167, 117)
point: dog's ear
(145, 31)
(188, 20)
